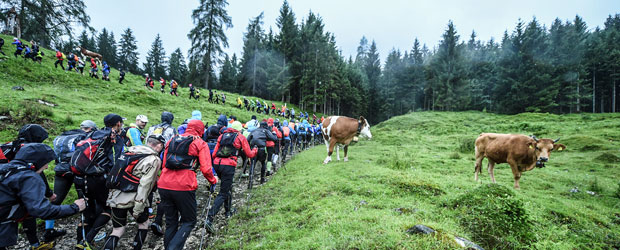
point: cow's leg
(330, 150)
(515, 172)
(346, 149)
(490, 168)
(338, 153)
(478, 164)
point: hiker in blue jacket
(22, 191)
(106, 72)
(18, 47)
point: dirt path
(240, 191)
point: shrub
(608, 157)
(495, 217)
(467, 145)
(455, 156)
(31, 112)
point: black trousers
(226, 174)
(62, 185)
(183, 204)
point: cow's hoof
(346, 159)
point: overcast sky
(391, 23)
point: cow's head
(364, 127)
(543, 148)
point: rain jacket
(240, 143)
(284, 129)
(185, 179)
(24, 191)
(275, 131)
(146, 170)
(261, 135)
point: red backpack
(88, 157)
(121, 176)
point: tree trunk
(594, 91)
(578, 96)
(254, 74)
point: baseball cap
(88, 124)
(142, 118)
(111, 119)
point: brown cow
(88, 53)
(342, 130)
(521, 152)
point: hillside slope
(80, 97)
(418, 169)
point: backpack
(286, 131)
(88, 157)
(63, 55)
(121, 176)
(227, 147)
(64, 146)
(6, 152)
(177, 156)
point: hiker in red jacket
(230, 145)
(177, 184)
(60, 58)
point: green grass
(415, 167)
(78, 98)
(418, 164)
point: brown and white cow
(521, 152)
(341, 130)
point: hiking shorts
(119, 216)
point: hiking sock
(98, 225)
(139, 239)
(111, 243)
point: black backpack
(177, 153)
(64, 144)
(121, 176)
(227, 148)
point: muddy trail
(240, 198)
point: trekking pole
(250, 182)
(205, 211)
(82, 196)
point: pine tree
(155, 64)
(87, 42)
(252, 63)
(128, 52)
(208, 37)
(287, 43)
(46, 22)
(372, 68)
(177, 68)
(107, 47)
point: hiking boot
(83, 245)
(245, 175)
(209, 226)
(44, 246)
(229, 214)
(157, 230)
(268, 168)
(100, 236)
(51, 234)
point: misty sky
(391, 23)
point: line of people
(116, 171)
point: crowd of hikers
(149, 174)
(74, 62)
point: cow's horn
(556, 140)
(534, 137)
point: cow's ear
(559, 147)
(531, 144)
(361, 120)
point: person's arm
(201, 149)
(270, 136)
(250, 153)
(217, 147)
(31, 191)
(150, 170)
